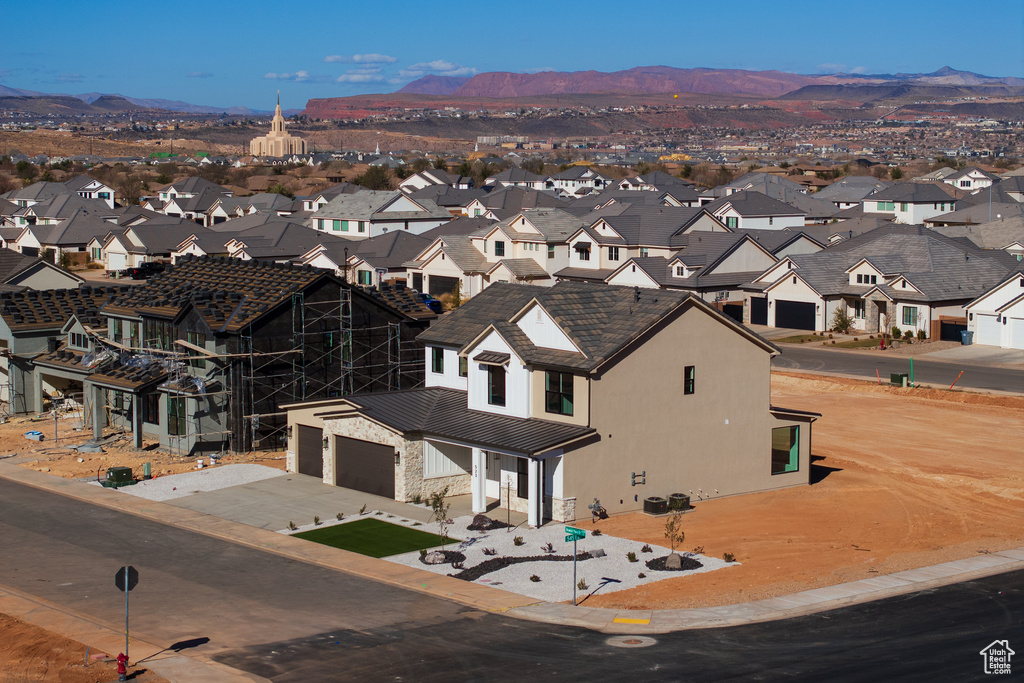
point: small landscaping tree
(674, 530)
(440, 506)
(841, 321)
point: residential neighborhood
(381, 357)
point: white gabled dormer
(777, 271)
(521, 224)
(602, 228)
(865, 273)
(902, 284)
(537, 324)
(680, 270)
(497, 379)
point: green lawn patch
(372, 537)
(800, 339)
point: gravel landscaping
(173, 486)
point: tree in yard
(6, 183)
(674, 530)
(841, 321)
(465, 169)
(895, 174)
(440, 164)
(375, 178)
(65, 261)
(278, 188)
(440, 506)
(687, 171)
(419, 165)
(723, 176)
(642, 168)
(130, 189)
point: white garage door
(116, 261)
(988, 330)
(1017, 333)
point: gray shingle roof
(912, 193)
(368, 205)
(749, 203)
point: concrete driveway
(980, 355)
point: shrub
(362, 510)
(728, 557)
(631, 556)
(316, 520)
(417, 499)
(641, 575)
(340, 516)
(423, 553)
(378, 513)
(490, 551)
(535, 578)
(646, 549)
(841, 320)
(518, 540)
(921, 335)
(699, 550)
(582, 585)
(908, 335)
(896, 334)
(291, 526)
(595, 532)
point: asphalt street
(289, 621)
(933, 373)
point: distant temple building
(277, 143)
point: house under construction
(202, 356)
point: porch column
(137, 421)
(97, 412)
(535, 500)
(37, 391)
(478, 480)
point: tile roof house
(849, 191)
(89, 188)
(1005, 233)
(910, 203)
(748, 209)
(997, 316)
(898, 276)
(374, 212)
(970, 178)
(368, 262)
(532, 399)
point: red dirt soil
(911, 477)
(30, 653)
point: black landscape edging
(488, 566)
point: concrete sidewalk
(488, 598)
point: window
(860, 279)
(558, 392)
(119, 401)
(965, 183)
(522, 477)
(551, 251)
(196, 359)
(115, 330)
(437, 360)
(97, 254)
(874, 279)
(79, 340)
(337, 225)
(584, 254)
(689, 379)
(613, 253)
(499, 248)
(732, 222)
(496, 385)
(176, 416)
(858, 310)
(903, 207)
(362, 226)
(476, 212)
(344, 226)
(463, 366)
(365, 277)
(771, 220)
(785, 450)
(644, 252)
(910, 315)
(680, 271)
(151, 409)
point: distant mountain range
(139, 103)
(666, 79)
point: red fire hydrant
(122, 667)
(883, 344)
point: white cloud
(372, 58)
(359, 78)
(829, 68)
(298, 76)
(859, 70)
(438, 67)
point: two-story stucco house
(543, 399)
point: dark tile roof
(750, 203)
(912, 192)
(228, 293)
(50, 309)
(404, 299)
(444, 413)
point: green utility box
(899, 379)
(118, 477)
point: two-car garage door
(796, 315)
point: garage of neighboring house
(758, 310)
(364, 466)
(988, 330)
(734, 311)
(1016, 326)
(438, 285)
(116, 261)
(797, 315)
(309, 451)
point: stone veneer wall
(563, 509)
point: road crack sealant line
(691, 618)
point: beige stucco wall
(580, 400)
(717, 439)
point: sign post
(573, 534)
(126, 579)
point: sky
(240, 54)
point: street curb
(489, 599)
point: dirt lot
(30, 653)
(906, 478)
(57, 458)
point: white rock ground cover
(613, 572)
